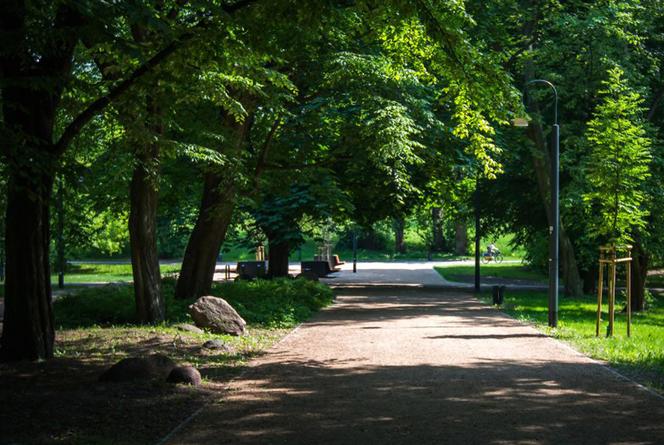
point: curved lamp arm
(555, 94)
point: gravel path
(407, 365)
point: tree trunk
(26, 138)
(143, 237)
(541, 162)
(200, 257)
(214, 217)
(437, 229)
(60, 237)
(639, 277)
(28, 331)
(573, 285)
(590, 280)
(278, 252)
(399, 245)
(460, 237)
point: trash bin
(495, 291)
(498, 294)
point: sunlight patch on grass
(105, 273)
(510, 271)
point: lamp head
(520, 122)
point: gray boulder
(185, 374)
(217, 345)
(186, 327)
(151, 367)
(217, 315)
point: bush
(377, 238)
(275, 303)
(109, 305)
(269, 303)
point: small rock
(218, 345)
(186, 327)
(185, 374)
(152, 367)
(217, 315)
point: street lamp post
(477, 233)
(554, 227)
(354, 251)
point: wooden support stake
(629, 299)
(612, 299)
(600, 288)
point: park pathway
(424, 365)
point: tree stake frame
(608, 256)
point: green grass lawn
(510, 271)
(95, 273)
(640, 356)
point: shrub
(269, 303)
(275, 303)
(107, 305)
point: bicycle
(496, 257)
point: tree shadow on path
(342, 380)
(320, 403)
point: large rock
(185, 374)
(152, 367)
(217, 315)
(186, 327)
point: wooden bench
(337, 261)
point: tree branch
(325, 163)
(655, 103)
(101, 103)
(531, 30)
(98, 105)
(262, 160)
(234, 7)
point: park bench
(249, 270)
(320, 267)
(336, 261)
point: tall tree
(618, 163)
(33, 79)
(36, 67)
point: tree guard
(609, 257)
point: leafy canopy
(618, 162)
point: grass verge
(60, 401)
(641, 356)
(490, 272)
